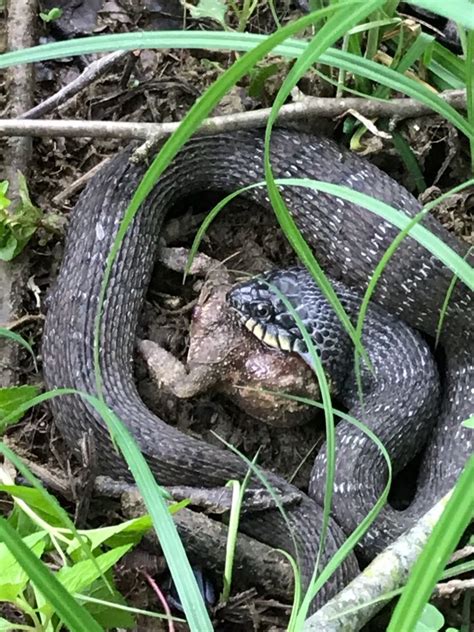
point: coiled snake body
(349, 242)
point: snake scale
(347, 240)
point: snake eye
(262, 311)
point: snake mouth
(280, 342)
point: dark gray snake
(400, 392)
(348, 241)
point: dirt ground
(159, 87)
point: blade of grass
(238, 493)
(451, 63)
(117, 606)
(11, 335)
(446, 534)
(333, 29)
(409, 160)
(355, 536)
(255, 470)
(470, 86)
(328, 417)
(241, 42)
(423, 236)
(447, 298)
(456, 10)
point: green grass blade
(356, 535)
(470, 86)
(447, 298)
(74, 616)
(241, 42)
(458, 10)
(409, 160)
(335, 27)
(428, 240)
(450, 62)
(423, 236)
(328, 417)
(14, 337)
(455, 519)
(238, 494)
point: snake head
(278, 305)
(260, 306)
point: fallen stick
(360, 600)
(302, 110)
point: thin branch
(77, 185)
(360, 600)
(454, 586)
(93, 72)
(309, 107)
(461, 554)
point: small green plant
(218, 10)
(53, 14)
(17, 227)
(81, 562)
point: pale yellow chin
(259, 331)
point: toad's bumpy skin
(400, 394)
(348, 240)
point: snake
(348, 241)
(400, 389)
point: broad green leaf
(13, 578)
(213, 9)
(12, 397)
(6, 625)
(76, 578)
(431, 620)
(107, 616)
(49, 499)
(53, 14)
(129, 532)
(41, 504)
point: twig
(27, 318)
(309, 107)
(454, 586)
(95, 70)
(460, 554)
(387, 572)
(162, 598)
(77, 185)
